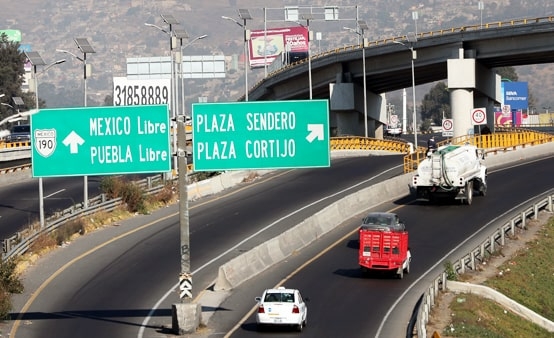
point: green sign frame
(100, 141)
(260, 135)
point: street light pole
(183, 101)
(362, 26)
(309, 17)
(244, 14)
(481, 7)
(170, 20)
(36, 60)
(85, 47)
(414, 119)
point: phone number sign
(128, 92)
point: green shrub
(64, 232)
(8, 280)
(450, 272)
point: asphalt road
(108, 292)
(345, 303)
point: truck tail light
(261, 309)
(295, 309)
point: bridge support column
(468, 79)
(347, 111)
(461, 83)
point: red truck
(384, 244)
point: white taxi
(282, 306)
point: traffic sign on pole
(478, 116)
(448, 127)
(260, 135)
(100, 141)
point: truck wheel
(469, 192)
(407, 269)
(400, 274)
(483, 189)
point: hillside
(116, 31)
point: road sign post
(100, 141)
(258, 135)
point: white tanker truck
(453, 171)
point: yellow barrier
(362, 143)
(501, 140)
(8, 145)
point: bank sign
(100, 141)
(516, 95)
(260, 135)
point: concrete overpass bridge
(464, 56)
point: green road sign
(260, 135)
(100, 141)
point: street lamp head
(59, 61)
(156, 26)
(231, 19)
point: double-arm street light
(182, 47)
(171, 22)
(244, 14)
(36, 60)
(414, 57)
(85, 48)
(362, 27)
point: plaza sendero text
(226, 147)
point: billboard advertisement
(14, 35)
(267, 45)
(516, 95)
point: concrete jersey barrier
(250, 263)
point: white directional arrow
(316, 131)
(73, 140)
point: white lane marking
(456, 248)
(155, 307)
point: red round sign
(478, 116)
(447, 125)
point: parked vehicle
(453, 171)
(282, 306)
(19, 133)
(383, 244)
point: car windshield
(378, 220)
(279, 297)
(21, 129)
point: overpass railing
(419, 35)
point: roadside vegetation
(135, 200)
(526, 277)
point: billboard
(13, 35)
(516, 95)
(267, 45)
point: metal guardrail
(470, 260)
(20, 243)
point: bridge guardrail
(478, 255)
(420, 35)
(20, 243)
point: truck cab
(383, 244)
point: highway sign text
(255, 135)
(100, 140)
